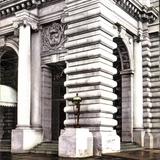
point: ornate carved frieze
(53, 37)
(138, 11)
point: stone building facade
(107, 51)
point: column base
(24, 139)
(138, 136)
(148, 140)
(152, 140)
(75, 143)
(106, 142)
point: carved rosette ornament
(53, 37)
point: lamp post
(76, 102)
(70, 141)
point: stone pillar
(151, 89)
(127, 105)
(90, 70)
(24, 76)
(46, 102)
(24, 137)
(138, 133)
(36, 81)
(146, 44)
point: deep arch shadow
(124, 92)
(9, 67)
(8, 77)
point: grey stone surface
(75, 143)
(95, 28)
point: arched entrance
(124, 92)
(58, 101)
(53, 101)
(8, 87)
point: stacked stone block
(151, 76)
(90, 70)
(146, 81)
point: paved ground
(131, 155)
(139, 155)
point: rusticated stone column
(151, 88)
(90, 70)
(22, 135)
(146, 44)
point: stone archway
(124, 91)
(8, 84)
(9, 71)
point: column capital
(139, 37)
(24, 17)
(121, 30)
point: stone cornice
(9, 7)
(132, 7)
(137, 10)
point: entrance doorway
(8, 83)
(118, 92)
(124, 92)
(58, 102)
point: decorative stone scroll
(24, 17)
(53, 37)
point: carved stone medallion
(53, 37)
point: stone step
(130, 147)
(5, 147)
(46, 148)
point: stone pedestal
(25, 139)
(152, 139)
(138, 136)
(106, 142)
(75, 143)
